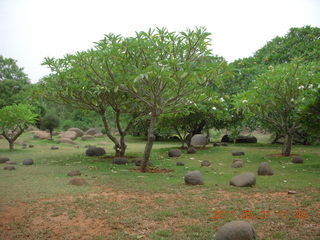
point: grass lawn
(36, 202)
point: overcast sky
(33, 29)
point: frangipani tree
(277, 97)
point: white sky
(33, 29)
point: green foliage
(13, 82)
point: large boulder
(236, 230)
(120, 160)
(265, 170)
(66, 140)
(78, 181)
(297, 160)
(28, 161)
(95, 151)
(4, 159)
(239, 139)
(69, 134)
(174, 153)
(87, 137)
(41, 135)
(92, 131)
(243, 180)
(237, 153)
(77, 130)
(193, 178)
(237, 163)
(191, 150)
(199, 140)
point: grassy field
(36, 202)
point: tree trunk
(10, 145)
(51, 130)
(123, 145)
(117, 146)
(188, 140)
(148, 148)
(286, 147)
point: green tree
(50, 121)
(13, 81)
(14, 120)
(278, 96)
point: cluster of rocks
(10, 163)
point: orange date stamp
(259, 214)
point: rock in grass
(66, 140)
(292, 192)
(74, 173)
(237, 163)
(265, 170)
(78, 181)
(243, 180)
(10, 168)
(31, 145)
(180, 163)
(199, 140)
(174, 153)
(54, 148)
(205, 163)
(95, 151)
(236, 230)
(87, 137)
(28, 161)
(4, 159)
(216, 144)
(237, 153)
(193, 178)
(191, 150)
(297, 160)
(120, 160)
(11, 162)
(92, 131)
(78, 131)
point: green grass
(126, 204)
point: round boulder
(236, 230)
(78, 131)
(41, 135)
(237, 153)
(87, 137)
(66, 140)
(199, 140)
(11, 162)
(243, 180)
(74, 173)
(10, 168)
(193, 178)
(69, 134)
(297, 160)
(174, 153)
(180, 163)
(28, 161)
(191, 150)
(78, 181)
(265, 170)
(237, 163)
(4, 159)
(205, 163)
(92, 131)
(120, 160)
(95, 151)
(54, 148)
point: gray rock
(199, 140)
(87, 137)
(95, 151)
(120, 160)
(174, 153)
(237, 163)
(78, 131)
(54, 148)
(265, 170)
(69, 134)
(205, 163)
(78, 181)
(74, 173)
(4, 159)
(92, 131)
(191, 150)
(11, 162)
(28, 161)
(180, 163)
(236, 230)
(66, 140)
(193, 178)
(237, 153)
(10, 168)
(243, 180)
(297, 160)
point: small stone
(4, 159)
(237, 163)
(180, 163)
(205, 163)
(54, 148)
(120, 160)
(11, 162)
(236, 230)
(193, 178)
(78, 181)
(191, 150)
(237, 153)
(174, 153)
(265, 170)
(297, 160)
(216, 144)
(10, 168)
(74, 173)
(292, 192)
(31, 145)
(28, 161)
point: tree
(13, 81)
(49, 121)
(165, 72)
(88, 80)
(14, 120)
(278, 96)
